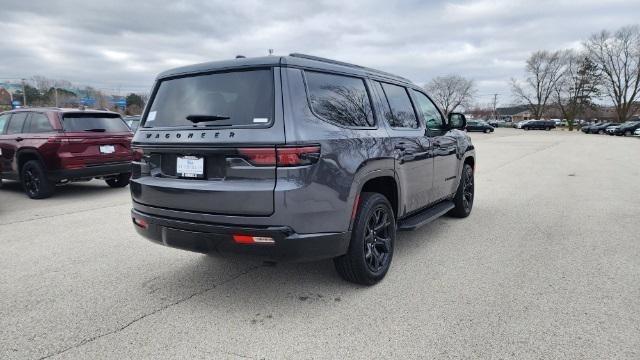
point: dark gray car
(296, 158)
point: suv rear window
(38, 123)
(240, 98)
(93, 122)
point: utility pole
(24, 94)
(495, 104)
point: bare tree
(618, 57)
(577, 86)
(451, 91)
(544, 69)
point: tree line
(41, 91)
(606, 67)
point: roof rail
(342, 63)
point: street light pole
(24, 94)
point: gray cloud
(124, 44)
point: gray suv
(296, 158)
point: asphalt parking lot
(546, 266)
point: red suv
(42, 147)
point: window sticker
(260, 120)
(151, 116)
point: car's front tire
(371, 248)
(34, 180)
(486, 131)
(119, 181)
(463, 199)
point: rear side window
(343, 100)
(240, 98)
(93, 122)
(402, 114)
(3, 122)
(16, 123)
(38, 123)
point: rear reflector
(140, 223)
(248, 239)
(282, 156)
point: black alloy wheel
(372, 237)
(377, 239)
(34, 180)
(463, 199)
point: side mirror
(457, 121)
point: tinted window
(16, 122)
(402, 114)
(93, 122)
(430, 112)
(39, 123)
(340, 99)
(244, 98)
(3, 121)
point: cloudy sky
(118, 44)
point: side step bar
(425, 216)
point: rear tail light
(248, 239)
(282, 156)
(259, 156)
(137, 154)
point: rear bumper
(90, 171)
(208, 238)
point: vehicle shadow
(68, 191)
(255, 283)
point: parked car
(42, 147)
(636, 133)
(519, 124)
(497, 123)
(627, 128)
(597, 128)
(539, 125)
(267, 156)
(132, 122)
(611, 129)
(478, 125)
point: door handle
(19, 139)
(400, 146)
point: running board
(426, 216)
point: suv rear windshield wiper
(95, 130)
(204, 118)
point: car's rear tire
(486, 131)
(463, 200)
(601, 132)
(34, 180)
(547, 128)
(627, 133)
(119, 181)
(371, 248)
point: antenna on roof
(240, 56)
(270, 52)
